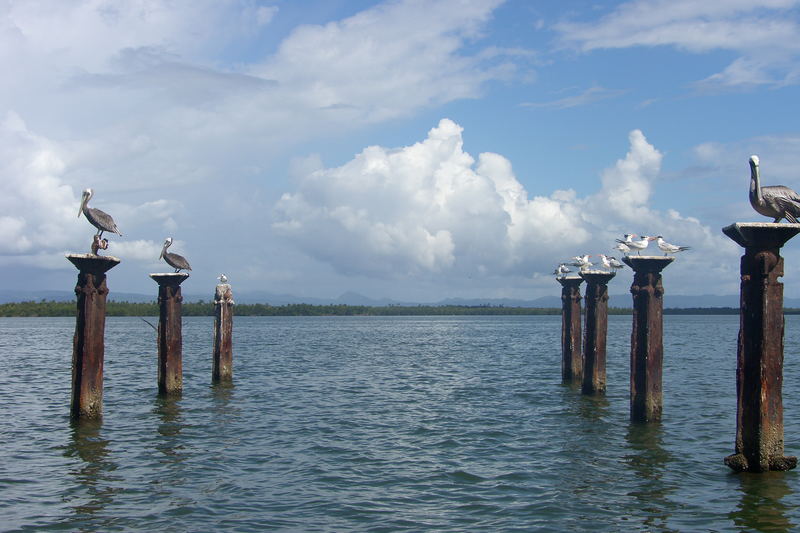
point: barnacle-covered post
(759, 361)
(595, 331)
(647, 336)
(222, 368)
(170, 332)
(571, 357)
(88, 344)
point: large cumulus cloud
(432, 208)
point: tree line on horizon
(50, 308)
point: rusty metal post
(88, 344)
(222, 368)
(170, 332)
(571, 357)
(595, 332)
(759, 360)
(647, 336)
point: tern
(610, 262)
(668, 248)
(639, 245)
(581, 261)
(561, 270)
(622, 247)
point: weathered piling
(647, 336)
(759, 360)
(88, 344)
(571, 357)
(595, 332)
(222, 368)
(170, 332)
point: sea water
(382, 424)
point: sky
(414, 149)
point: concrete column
(759, 361)
(647, 336)
(88, 344)
(571, 357)
(222, 368)
(596, 331)
(170, 332)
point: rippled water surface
(382, 424)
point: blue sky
(407, 149)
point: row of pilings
(759, 444)
(88, 348)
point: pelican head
(754, 160)
(223, 278)
(87, 194)
(167, 244)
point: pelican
(178, 262)
(777, 201)
(99, 219)
(222, 278)
(561, 270)
(668, 248)
(581, 261)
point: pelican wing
(784, 200)
(101, 220)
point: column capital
(761, 235)
(171, 279)
(93, 264)
(597, 277)
(648, 264)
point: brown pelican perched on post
(777, 201)
(99, 219)
(178, 262)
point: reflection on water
(648, 459)
(169, 443)
(93, 474)
(763, 504)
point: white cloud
(39, 209)
(430, 210)
(588, 96)
(766, 34)
(138, 250)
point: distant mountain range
(354, 298)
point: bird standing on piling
(581, 261)
(639, 245)
(561, 270)
(622, 247)
(178, 262)
(777, 201)
(97, 218)
(668, 248)
(611, 262)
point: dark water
(382, 424)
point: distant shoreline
(201, 308)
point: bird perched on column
(178, 262)
(776, 201)
(97, 218)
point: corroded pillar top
(570, 281)
(597, 277)
(223, 294)
(648, 264)
(94, 264)
(762, 235)
(171, 279)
